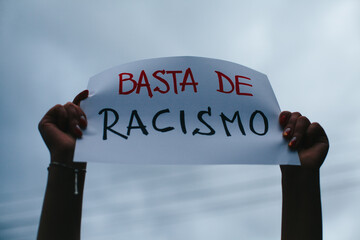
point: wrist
(72, 170)
(79, 166)
(299, 175)
(62, 157)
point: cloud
(309, 50)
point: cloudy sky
(310, 51)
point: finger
(290, 125)
(82, 120)
(57, 116)
(316, 134)
(53, 124)
(317, 140)
(283, 118)
(299, 132)
(74, 119)
(81, 96)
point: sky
(310, 51)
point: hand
(301, 216)
(309, 139)
(61, 126)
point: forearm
(301, 213)
(61, 212)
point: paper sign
(182, 110)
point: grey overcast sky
(310, 51)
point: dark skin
(61, 214)
(301, 210)
(61, 126)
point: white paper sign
(182, 110)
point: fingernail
(286, 132)
(292, 142)
(282, 119)
(78, 130)
(83, 122)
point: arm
(301, 210)
(61, 212)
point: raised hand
(301, 211)
(61, 126)
(309, 139)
